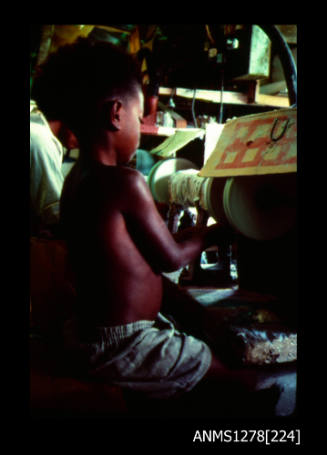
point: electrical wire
(193, 111)
(221, 106)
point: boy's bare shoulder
(122, 172)
(129, 175)
(126, 179)
(121, 185)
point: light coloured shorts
(146, 356)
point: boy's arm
(164, 252)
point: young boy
(118, 243)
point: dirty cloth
(151, 357)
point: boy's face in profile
(129, 138)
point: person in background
(48, 139)
(51, 291)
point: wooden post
(253, 91)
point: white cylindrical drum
(212, 199)
(261, 207)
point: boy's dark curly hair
(72, 81)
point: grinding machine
(249, 183)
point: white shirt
(46, 177)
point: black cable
(221, 106)
(286, 58)
(193, 112)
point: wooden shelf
(252, 99)
(164, 130)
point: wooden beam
(111, 29)
(206, 95)
(274, 101)
(227, 97)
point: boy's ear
(111, 115)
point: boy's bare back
(116, 283)
(120, 244)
